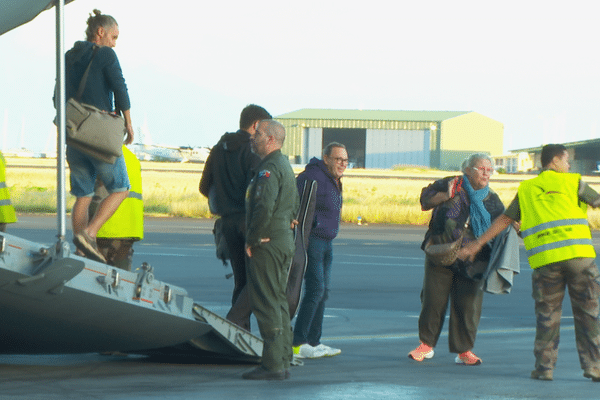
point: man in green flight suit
(271, 206)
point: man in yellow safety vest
(7, 211)
(126, 226)
(554, 227)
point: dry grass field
(171, 189)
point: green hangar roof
(372, 115)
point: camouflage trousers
(581, 277)
(118, 252)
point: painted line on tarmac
(166, 254)
(387, 264)
(190, 252)
(379, 256)
(444, 333)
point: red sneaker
(467, 358)
(421, 352)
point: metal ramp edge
(226, 338)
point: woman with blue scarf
(456, 201)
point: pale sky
(192, 66)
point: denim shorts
(85, 169)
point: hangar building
(584, 156)
(383, 139)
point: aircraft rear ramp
(54, 302)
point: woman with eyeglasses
(463, 206)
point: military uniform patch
(264, 174)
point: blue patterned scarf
(480, 217)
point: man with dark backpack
(224, 181)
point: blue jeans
(309, 322)
(84, 170)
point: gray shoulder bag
(93, 131)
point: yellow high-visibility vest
(554, 222)
(128, 220)
(7, 211)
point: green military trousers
(267, 281)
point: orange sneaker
(467, 358)
(421, 352)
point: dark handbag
(93, 131)
(444, 254)
(473, 270)
(220, 242)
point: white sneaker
(307, 351)
(329, 351)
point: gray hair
(327, 150)
(472, 160)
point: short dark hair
(327, 150)
(252, 113)
(550, 151)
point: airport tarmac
(372, 316)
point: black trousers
(234, 231)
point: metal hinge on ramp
(226, 337)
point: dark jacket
(228, 171)
(105, 81)
(450, 214)
(326, 222)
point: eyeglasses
(341, 160)
(484, 170)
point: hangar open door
(354, 140)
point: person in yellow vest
(126, 226)
(7, 211)
(558, 241)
